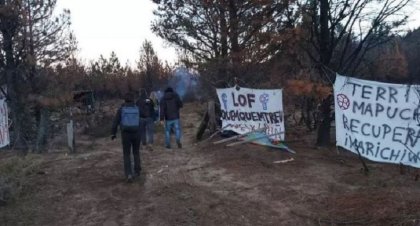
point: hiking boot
(168, 146)
(129, 179)
(179, 144)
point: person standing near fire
(170, 104)
(155, 97)
(147, 119)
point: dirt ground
(206, 184)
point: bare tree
(342, 32)
(150, 65)
(224, 33)
(32, 39)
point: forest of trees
(261, 43)
(39, 71)
(267, 43)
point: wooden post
(402, 169)
(209, 120)
(70, 137)
(366, 169)
(71, 141)
(203, 126)
(212, 125)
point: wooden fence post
(71, 141)
(212, 116)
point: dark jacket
(170, 105)
(117, 118)
(147, 107)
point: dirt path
(206, 184)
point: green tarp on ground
(261, 138)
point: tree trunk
(14, 97)
(324, 32)
(203, 126)
(222, 64)
(323, 138)
(211, 109)
(234, 37)
(19, 116)
(19, 141)
(42, 130)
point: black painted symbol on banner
(343, 101)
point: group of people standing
(136, 120)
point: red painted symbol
(343, 101)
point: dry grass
(14, 174)
(16, 185)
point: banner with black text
(380, 120)
(245, 110)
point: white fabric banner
(4, 125)
(380, 120)
(246, 110)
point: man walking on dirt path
(147, 120)
(169, 113)
(128, 119)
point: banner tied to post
(244, 110)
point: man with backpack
(169, 112)
(128, 119)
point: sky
(102, 26)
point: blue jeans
(147, 129)
(169, 124)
